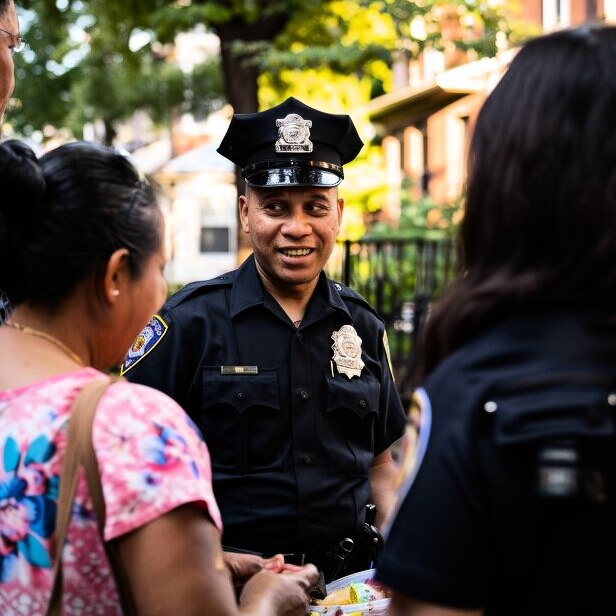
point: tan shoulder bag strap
(80, 452)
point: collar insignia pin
(347, 351)
(293, 134)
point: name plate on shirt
(239, 370)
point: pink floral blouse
(151, 459)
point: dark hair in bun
(23, 182)
(63, 215)
(23, 188)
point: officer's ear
(115, 276)
(243, 209)
(340, 209)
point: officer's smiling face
(292, 232)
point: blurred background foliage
(102, 60)
(420, 218)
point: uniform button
(304, 395)
(307, 459)
(241, 396)
(490, 406)
(363, 403)
(299, 335)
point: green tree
(100, 61)
(476, 25)
(245, 27)
(83, 60)
(86, 61)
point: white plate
(372, 608)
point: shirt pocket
(559, 406)
(351, 413)
(242, 420)
(557, 431)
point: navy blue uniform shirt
(290, 438)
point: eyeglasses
(17, 42)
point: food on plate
(358, 592)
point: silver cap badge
(293, 134)
(347, 351)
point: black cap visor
(295, 176)
(293, 172)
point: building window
(214, 239)
(424, 181)
(556, 14)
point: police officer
(509, 504)
(285, 371)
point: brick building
(426, 120)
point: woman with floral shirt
(81, 259)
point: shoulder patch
(388, 355)
(411, 447)
(149, 337)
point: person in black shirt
(508, 504)
(285, 371)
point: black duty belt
(330, 560)
(302, 558)
(349, 555)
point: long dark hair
(539, 229)
(63, 215)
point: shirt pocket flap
(241, 391)
(358, 394)
(552, 412)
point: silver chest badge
(347, 351)
(293, 134)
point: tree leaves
(83, 62)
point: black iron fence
(400, 278)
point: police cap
(291, 144)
